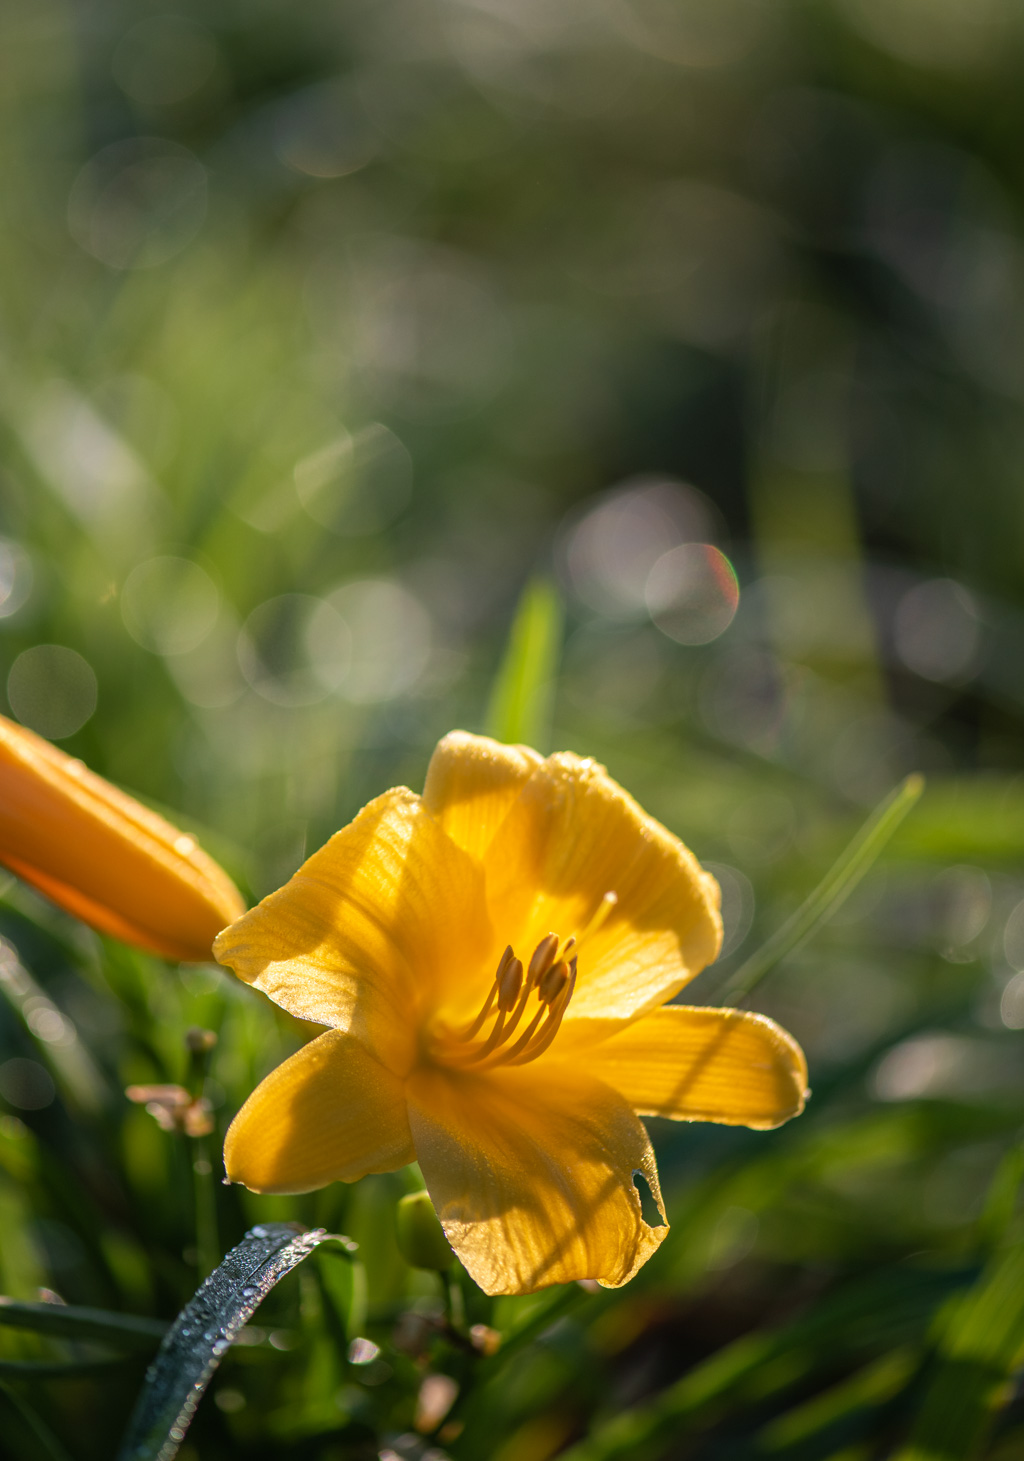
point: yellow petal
(472, 782)
(370, 930)
(532, 1177)
(574, 835)
(330, 1113)
(696, 1064)
(106, 859)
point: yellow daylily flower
(97, 853)
(494, 960)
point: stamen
(508, 1057)
(543, 957)
(495, 992)
(552, 974)
(510, 983)
(517, 1057)
(553, 983)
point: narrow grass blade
(891, 1311)
(833, 890)
(979, 1344)
(58, 1369)
(521, 701)
(67, 1321)
(855, 1401)
(204, 1330)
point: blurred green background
(324, 328)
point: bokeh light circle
(52, 690)
(295, 649)
(358, 483)
(391, 639)
(26, 1084)
(138, 203)
(693, 593)
(937, 631)
(15, 577)
(323, 132)
(611, 551)
(169, 605)
(164, 59)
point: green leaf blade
(833, 890)
(69, 1321)
(979, 1344)
(202, 1333)
(521, 701)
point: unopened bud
(421, 1239)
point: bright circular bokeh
(391, 639)
(52, 690)
(610, 552)
(138, 202)
(169, 605)
(295, 649)
(15, 577)
(693, 593)
(357, 484)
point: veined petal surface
(472, 782)
(699, 1064)
(532, 1175)
(573, 835)
(331, 1113)
(370, 930)
(103, 856)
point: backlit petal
(472, 782)
(532, 1176)
(104, 857)
(369, 929)
(696, 1064)
(331, 1113)
(574, 835)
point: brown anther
(510, 983)
(553, 982)
(543, 957)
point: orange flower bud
(102, 856)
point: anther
(510, 983)
(543, 957)
(553, 982)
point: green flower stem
(200, 1045)
(207, 1238)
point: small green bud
(421, 1239)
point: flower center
(493, 1037)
